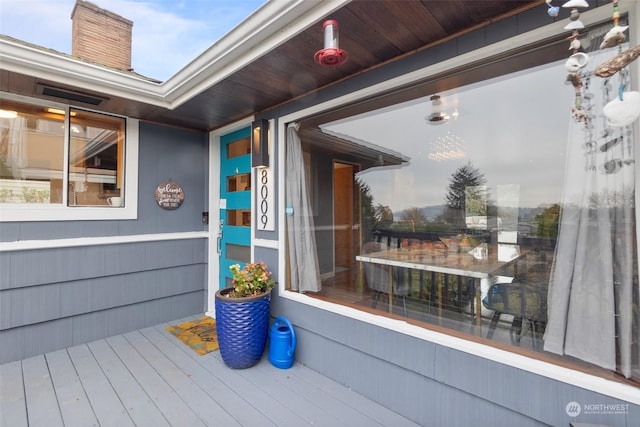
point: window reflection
(32, 156)
(459, 224)
(96, 159)
(31, 153)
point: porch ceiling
(373, 32)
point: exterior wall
(101, 36)
(152, 272)
(430, 383)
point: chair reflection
(526, 302)
(378, 278)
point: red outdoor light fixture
(331, 54)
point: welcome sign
(169, 195)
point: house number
(264, 196)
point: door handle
(219, 243)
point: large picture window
(55, 158)
(486, 210)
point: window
(96, 160)
(59, 162)
(484, 209)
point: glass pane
(239, 217)
(31, 153)
(238, 148)
(240, 182)
(96, 160)
(239, 253)
(472, 205)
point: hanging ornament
(618, 62)
(553, 11)
(578, 60)
(574, 17)
(625, 108)
(622, 110)
(576, 3)
(614, 36)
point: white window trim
(22, 212)
(589, 382)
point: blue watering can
(282, 343)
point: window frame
(479, 348)
(24, 212)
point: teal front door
(234, 244)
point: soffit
(365, 153)
(372, 32)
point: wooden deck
(149, 378)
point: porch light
(260, 144)
(331, 54)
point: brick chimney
(101, 36)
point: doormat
(199, 334)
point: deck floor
(149, 378)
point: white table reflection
(480, 263)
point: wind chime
(618, 112)
(622, 110)
(625, 108)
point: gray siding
(431, 384)
(56, 298)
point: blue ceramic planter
(242, 325)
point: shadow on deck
(149, 378)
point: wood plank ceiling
(373, 32)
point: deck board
(107, 406)
(173, 408)
(72, 399)
(12, 400)
(42, 405)
(149, 378)
(141, 409)
(356, 401)
(202, 405)
(225, 396)
(323, 398)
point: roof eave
(271, 25)
(63, 69)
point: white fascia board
(270, 26)
(58, 68)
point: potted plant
(242, 315)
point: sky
(494, 142)
(167, 34)
(516, 129)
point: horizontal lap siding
(55, 298)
